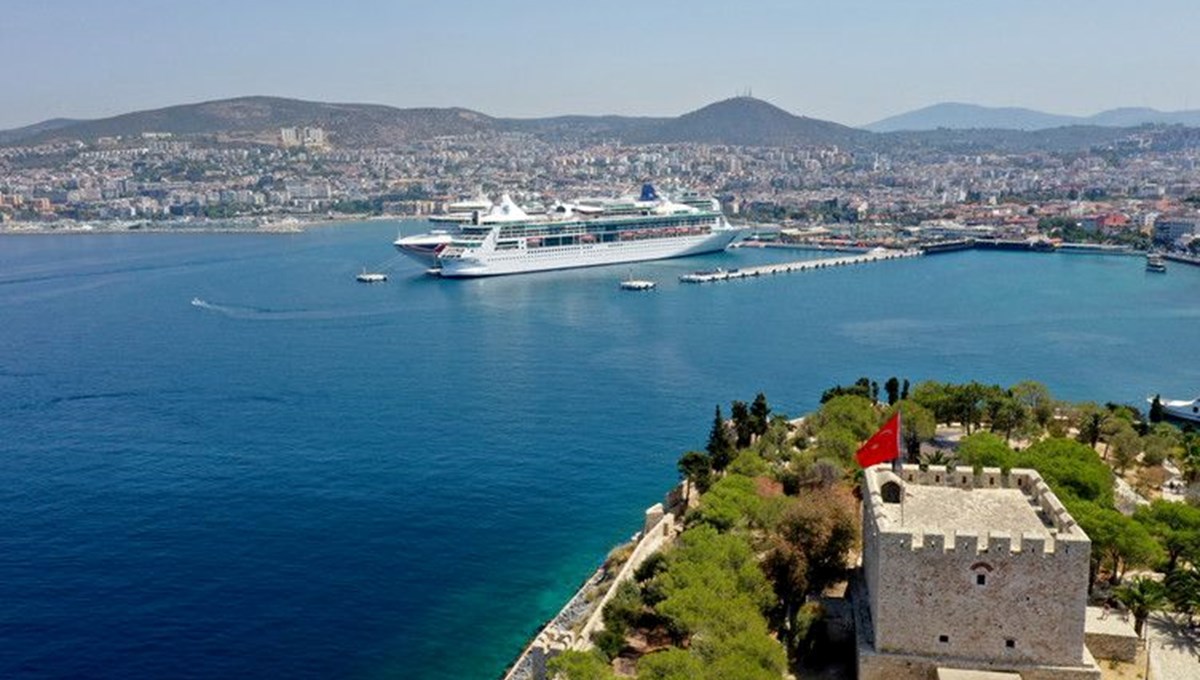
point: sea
(222, 457)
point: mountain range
(957, 116)
(738, 121)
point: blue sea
(302, 476)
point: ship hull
(522, 261)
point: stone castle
(969, 574)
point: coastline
(285, 225)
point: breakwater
(877, 255)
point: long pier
(877, 255)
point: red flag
(883, 446)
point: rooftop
(941, 509)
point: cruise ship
(508, 240)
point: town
(1142, 186)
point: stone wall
(1028, 609)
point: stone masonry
(982, 572)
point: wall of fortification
(993, 597)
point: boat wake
(267, 314)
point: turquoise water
(309, 477)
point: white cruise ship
(508, 240)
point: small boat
(1156, 264)
(371, 277)
(1181, 409)
(637, 284)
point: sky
(851, 61)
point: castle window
(1010, 643)
(964, 480)
(981, 579)
(891, 492)
(943, 638)
(937, 479)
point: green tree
(1117, 541)
(671, 664)
(739, 412)
(892, 389)
(1126, 445)
(1008, 415)
(1141, 596)
(1072, 469)
(916, 425)
(1156, 410)
(732, 501)
(696, 468)
(1090, 419)
(852, 413)
(573, 665)
(904, 389)
(1176, 527)
(760, 415)
(1037, 399)
(985, 449)
(720, 444)
(1183, 591)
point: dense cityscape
(1115, 192)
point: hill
(261, 117)
(957, 116)
(22, 133)
(748, 122)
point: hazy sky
(849, 61)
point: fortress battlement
(956, 510)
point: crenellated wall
(970, 592)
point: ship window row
(555, 230)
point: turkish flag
(883, 446)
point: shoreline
(286, 225)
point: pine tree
(720, 447)
(892, 388)
(1156, 410)
(760, 414)
(740, 414)
(904, 390)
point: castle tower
(970, 572)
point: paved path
(1174, 650)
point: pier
(877, 255)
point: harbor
(876, 255)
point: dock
(877, 255)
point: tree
(1141, 596)
(852, 413)
(892, 388)
(1037, 399)
(1176, 527)
(1008, 415)
(1126, 445)
(720, 445)
(1117, 541)
(1089, 419)
(740, 414)
(985, 449)
(809, 548)
(760, 415)
(904, 389)
(1183, 591)
(573, 665)
(696, 468)
(1072, 469)
(1156, 410)
(916, 425)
